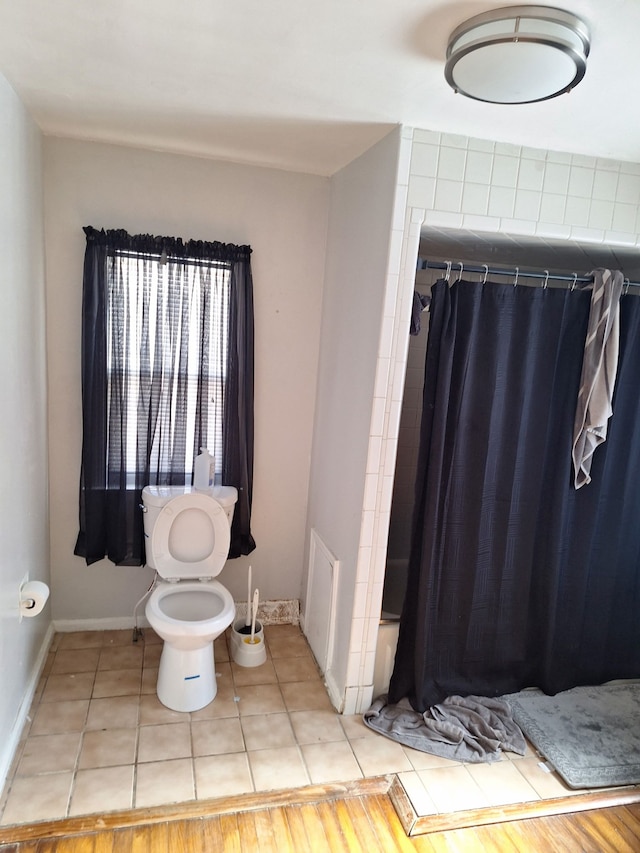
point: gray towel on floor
(599, 368)
(471, 728)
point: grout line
(355, 734)
(134, 785)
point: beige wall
(283, 217)
(23, 443)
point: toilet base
(186, 679)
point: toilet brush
(247, 618)
(254, 612)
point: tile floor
(99, 740)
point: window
(167, 368)
(167, 339)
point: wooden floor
(359, 818)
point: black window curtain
(110, 492)
(517, 579)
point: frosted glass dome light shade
(517, 55)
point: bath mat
(590, 735)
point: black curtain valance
(148, 244)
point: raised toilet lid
(190, 538)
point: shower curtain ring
(515, 281)
(486, 273)
(626, 286)
(448, 272)
(546, 279)
(575, 278)
(461, 271)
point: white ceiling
(295, 84)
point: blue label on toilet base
(191, 677)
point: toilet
(187, 535)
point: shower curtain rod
(459, 268)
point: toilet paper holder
(33, 597)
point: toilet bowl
(187, 536)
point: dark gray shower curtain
(515, 578)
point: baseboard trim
(279, 612)
(335, 695)
(10, 745)
(110, 623)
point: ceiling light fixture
(517, 55)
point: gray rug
(591, 735)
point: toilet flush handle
(143, 508)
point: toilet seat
(214, 603)
(183, 521)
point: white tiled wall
(450, 181)
(491, 186)
(392, 355)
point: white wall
(359, 254)
(23, 447)
(283, 217)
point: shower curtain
(516, 578)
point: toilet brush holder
(244, 651)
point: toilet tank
(227, 497)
